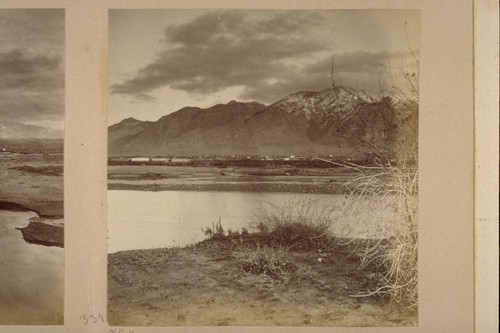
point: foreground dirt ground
(202, 286)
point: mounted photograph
(31, 166)
(262, 167)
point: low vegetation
(297, 224)
(269, 261)
(389, 191)
(394, 254)
(276, 231)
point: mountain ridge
(18, 130)
(335, 121)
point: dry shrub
(297, 224)
(395, 255)
(215, 231)
(385, 195)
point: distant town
(323, 161)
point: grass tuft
(298, 224)
(269, 261)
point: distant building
(180, 160)
(140, 159)
(160, 159)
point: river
(31, 276)
(144, 220)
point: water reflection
(143, 220)
(31, 276)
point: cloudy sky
(32, 66)
(162, 60)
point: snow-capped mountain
(336, 121)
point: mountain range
(17, 130)
(336, 121)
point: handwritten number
(85, 320)
(92, 319)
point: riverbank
(245, 279)
(34, 182)
(230, 179)
(273, 187)
(44, 232)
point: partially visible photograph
(31, 166)
(263, 168)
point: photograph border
(446, 272)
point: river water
(144, 220)
(31, 276)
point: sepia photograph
(31, 166)
(262, 167)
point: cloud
(21, 62)
(26, 71)
(218, 50)
(361, 69)
(32, 65)
(31, 86)
(268, 54)
(40, 29)
(204, 28)
(357, 62)
(286, 23)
